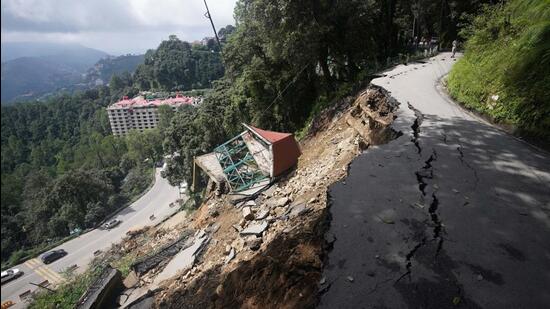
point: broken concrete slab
(181, 261)
(162, 255)
(135, 298)
(269, 191)
(262, 214)
(211, 166)
(250, 203)
(248, 194)
(255, 228)
(199, 234)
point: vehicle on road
(11, 274)
(53, 255)
(111, 224)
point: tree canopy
(286, 59)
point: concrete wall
(103, 292)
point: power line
(207, 15)
(288, 85)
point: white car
(111, 224)
(11, 274)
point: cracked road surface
(452, 214)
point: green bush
(508, 55)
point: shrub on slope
(507, 54)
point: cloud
(112, 25)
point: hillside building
(141, 114)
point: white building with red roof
(141, 114)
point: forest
(62, 170)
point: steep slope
(105, 68)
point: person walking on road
(455, 45)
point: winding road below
(81, 249)
(454, 213)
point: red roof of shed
(271, 136)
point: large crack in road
(440, 220)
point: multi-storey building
(141, 114)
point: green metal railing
(239, 166)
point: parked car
(53, 255)
(111, 224)
(11, 274)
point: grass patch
(67, 294)
(505, 71)
(123, 264)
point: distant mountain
(74, 55)
(30, 70)
(30, 77)
(104, 69)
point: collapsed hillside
(262, 253)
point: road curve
(455, 213)
(81, 250)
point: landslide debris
(269, 252)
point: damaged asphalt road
(454, 213)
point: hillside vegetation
(286, 60)
(62, 170)
(105, 68)
(30, 70)
(505, 71)
(179, 65)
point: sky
(114, 26)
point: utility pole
(207, 15)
